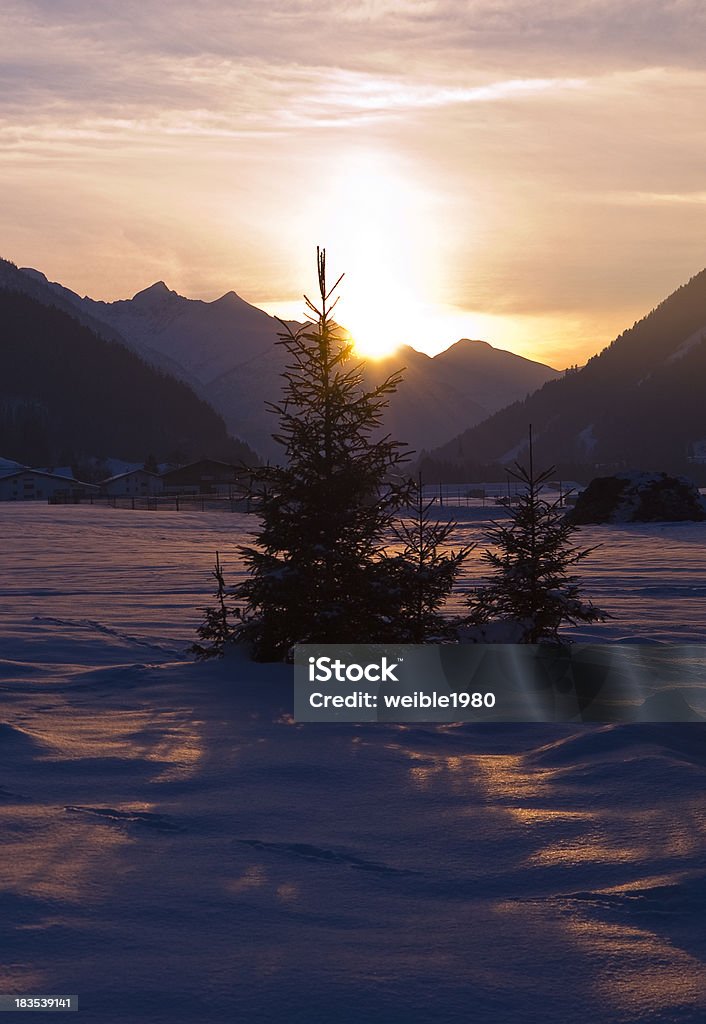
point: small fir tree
(318, 572)
(219, 621)
(532, 584)
(426, 573)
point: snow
(118, 467)
(587, 438)
(512, 454)
(8, 467)
(697, 338)
(65, 471)
(177, 850)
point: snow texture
(697, 338)
(9, 466)
(588, 439)
(177, 850)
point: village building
(65, 471)
(207, 476)
(37, 485)
(135, 483)
(9, 466)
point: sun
(378, 227)
(377, 317)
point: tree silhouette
(426, 573)
(532, 584)
(219, 621)
(317, 572)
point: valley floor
(175, 849)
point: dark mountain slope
(641, 402)
(227, 351)
(461, 385)
(66, 393)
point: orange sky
(524, 172)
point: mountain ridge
(67, 392)
(636, 404)
(227, 350)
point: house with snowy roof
(9, 466)
(37, 485)
(65, 471)
(132, 484)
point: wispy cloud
(651, 199)
(366, 94)
(217, 98)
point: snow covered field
(175, 848)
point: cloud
(423, 35)
(50, 99)
(368, 93)
(653, 198)
(560, 142)
(364, 58)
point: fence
(158, 502)
(451, 495)
(496, 493)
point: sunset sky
(530, 172)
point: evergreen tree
(318, 572)
(219, 621)
(532, 584)
(426, 574)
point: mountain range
(68, 393)
(226, 351)
(638, 404)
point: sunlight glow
(382, 227)
(383, 238)
(432, 328)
